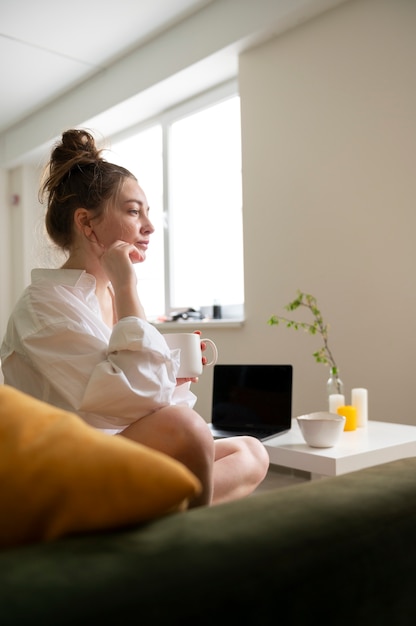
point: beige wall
(329, 136)
(329, 140)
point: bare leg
(241, 463)
(227, 468)
(181, 433)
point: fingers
(203, 347)
(203, 344)
(118, 265)
(121, 253)
(181, 381)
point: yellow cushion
(60, 476)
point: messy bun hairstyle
(77, 176)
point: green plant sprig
(324, 354)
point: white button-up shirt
(58, 349)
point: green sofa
(332, 551)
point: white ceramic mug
(191, 356)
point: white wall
(21, 235)
(5, 274)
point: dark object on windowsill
(216, 312)
(186, 315)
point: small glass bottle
(334, 384)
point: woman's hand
(117, 261)
(182, 381)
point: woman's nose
(148, 227)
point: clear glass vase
(334, 384)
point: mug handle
(214, 349)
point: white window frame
(231, 315)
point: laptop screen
(252, 396)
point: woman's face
(127, 220)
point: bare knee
(193, 445)
(255, 458)
(181, 433)
(241, 463)
(259, 457)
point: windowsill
(232, 317)
(198, 324)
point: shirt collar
(68, 277)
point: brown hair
(77, 176)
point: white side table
(377, 443)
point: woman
(78, 337)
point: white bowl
(321, 430)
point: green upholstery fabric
(337, 551)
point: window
(188, 163)
(142, 154)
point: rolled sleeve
(138, 376)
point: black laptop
(251, 400)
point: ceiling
(48, 46)
(110, 64)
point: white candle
(359, 399)
(336, 400)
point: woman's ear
(82, 221)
